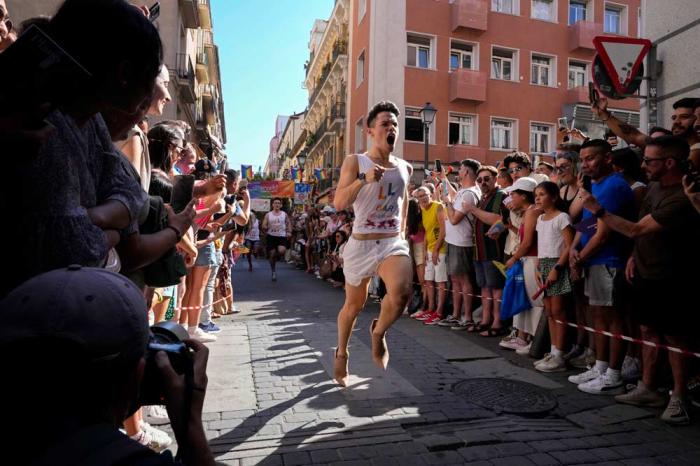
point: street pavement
(271, 399)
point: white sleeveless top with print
(277, 224)
(378, 204)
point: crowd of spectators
(117, 213)
(604, 237)
(128, 217)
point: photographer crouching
(80, 358)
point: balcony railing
(207, 38)
(185, 75)
(204, 14)
(339, 49)
(338, 111)
(190, 14)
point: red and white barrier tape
(186, 308)
(630, 339)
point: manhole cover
(506, 396)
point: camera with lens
(167, 337)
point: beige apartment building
(326, 80)
(186, 29)
(500, 72)
(292, 141)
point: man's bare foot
(380, 352)
(340, 369)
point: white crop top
(378, 204)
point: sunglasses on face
(485, 179)
(562, 168)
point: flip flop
(478, 327)
(494, 332)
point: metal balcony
(190, 14)
(204, 14)
(202, 66)
(185, 78)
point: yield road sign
(622, 59)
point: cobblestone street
(271, 399)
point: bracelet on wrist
(178, 235)
(599, 213)
(559, 267)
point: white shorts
(436, 273)
(361, 258)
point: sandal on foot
(339, 364)
(494, 332)
(478, 327)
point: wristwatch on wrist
(558, 267)
(362, 177)
(600, 212)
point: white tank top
(277, 224)
(378, 204)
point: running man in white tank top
(375, 184)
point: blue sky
(262, 48)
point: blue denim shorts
(206, 256)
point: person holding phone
(661, 271)
(602, 254)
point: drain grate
(506, 396)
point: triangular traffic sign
(622, 57)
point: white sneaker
(155, 439)
(513, 343)
(642, 396)
(157, 415)
(200, 335)
(676, 412)
(631, 369)
(546, 355)
(525, 350)
(552, 364)
(603, 385)
(448, 322)
(590, 374)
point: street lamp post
(427, 113)
(301, 160)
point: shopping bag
(514, 298)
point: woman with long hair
(554, 237)
(416, 239)
(567, 166)
(337, 276)
(198, 276)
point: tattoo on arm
(627, 128)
